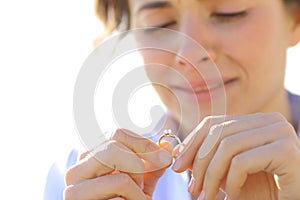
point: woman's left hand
(253, 156)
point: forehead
(139, 5)
(136, 6)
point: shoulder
(295, 105)
(55, 183)
(295, 109)
(294, 97)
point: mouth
(205, 90)
(207, 87)
(212, 86)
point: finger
(83, 155)
(192, 143)
(280, 157)
(110, 156)
(184, 152)
(219, 135)
(148, 150)
(233, 145)
(206, 124)
(153, 177)
(105, 187)
(166, 146)
(151, 180)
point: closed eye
(227, 17)
(158, 27)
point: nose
(196, 45)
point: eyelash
(155, 28)
(228, 17)
(221, 17)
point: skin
(248, 49)
(246, 61)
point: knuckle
(69, 176)
(69, 193)
(277, 116)
(139, 168)
(115, 149)
(216, 122)
(294, 152)
(83, 155)
(106, 154)
(289, 152)
(207, 121)
(284, 128)
(119, 133)
(287, 127)
(208, 118)
(112, 144)
(216, 129)
(219, 130)
(237, 161)
(226, 143)
(124, 179)
(212, 120)
(148, 147)
(209, 174)
(287, 147)
(199, 168)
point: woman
(251, 153)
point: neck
(280, 103)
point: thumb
(166, 146)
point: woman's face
(246, 40)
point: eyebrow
(153, 5)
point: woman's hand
(127, 166)
(250, 157)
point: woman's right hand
(128, 166)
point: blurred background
(43, 45)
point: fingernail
(175, 151)
(178, 150)
(192, 185)
(142, 185)
(165, 158)
(201, 196)
(177, 165)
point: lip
(204, 90)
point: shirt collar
(295, 109)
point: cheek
(156, 56)
(259, 55)
(157, 65)
(259, 48)
(157, 70)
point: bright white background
(42, 46)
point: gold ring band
(168, 133)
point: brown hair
(115, 14)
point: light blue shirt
(170, 186)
